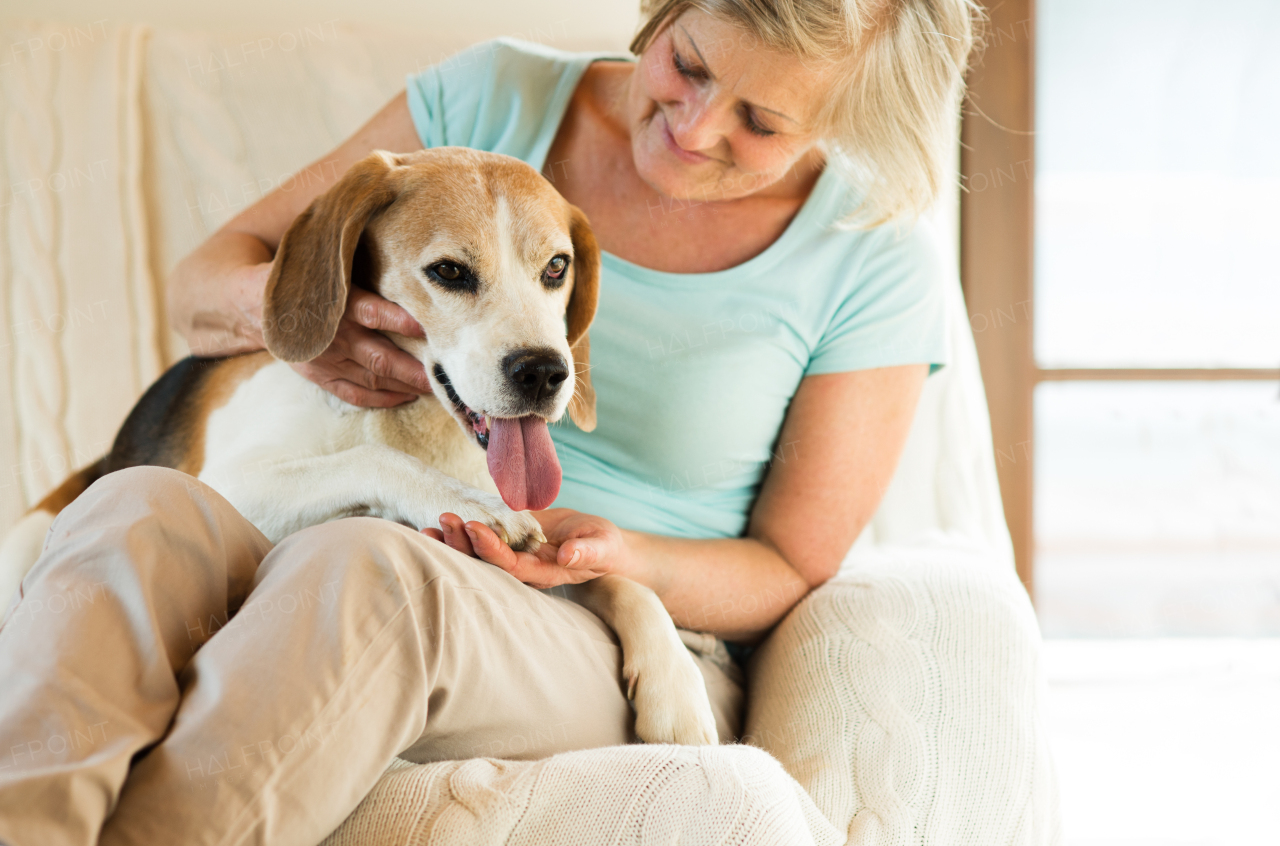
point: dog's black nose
(535, 374)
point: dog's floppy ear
(581, 311)
(306, 293)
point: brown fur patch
(71, 487)
(166, 428)
(306, 293)
(213, 393)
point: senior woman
(768, 315)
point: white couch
(898, 704)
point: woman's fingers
(584, 540)
(374, 312)
(489, 547)
(479, 541)
(340, 371)
(531, 569)
(577, 554)
(326, 375)
(380, 357)
(454, 533)
(363, 397)
(362, 366)
(355, 372)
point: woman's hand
(579, 547)
(362, 366)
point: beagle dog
(495, 264)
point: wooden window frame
(997, 235)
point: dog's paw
(670, 698)
(518, 529)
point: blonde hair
(890, 121)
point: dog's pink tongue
(523, 463)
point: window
(1120, 253)
(1123, 280)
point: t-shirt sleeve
(497, 96)
(890, 307)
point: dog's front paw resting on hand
(518, 529)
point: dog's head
(500, 270)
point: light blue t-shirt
(694, 371)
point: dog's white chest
(277, 418)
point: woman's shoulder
(504, 95)
(885, 297)
(914, 241)
(904, 246)
(526, 65)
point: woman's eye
(755, 128)
(683, 69)
(556, 267)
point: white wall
(604, 23)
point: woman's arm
(215, 293)
(837, 452)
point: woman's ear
(306, 293)
(580, 313)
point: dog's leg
(281, 497)
(662, 678)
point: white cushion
(905, 695)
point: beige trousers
(170, 677)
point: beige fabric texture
(271, 686)
(625, 795)
(904, 696)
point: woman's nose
(698, 124)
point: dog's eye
(555, 269)
(452, 275)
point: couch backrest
(128, 148)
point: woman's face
(714, 115)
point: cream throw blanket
(898, 704)
(79, 324)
